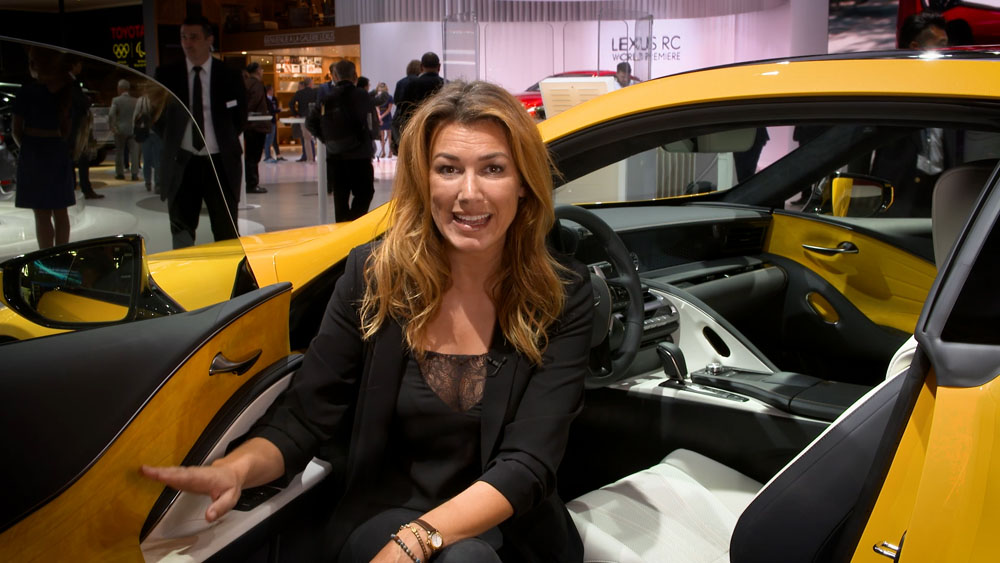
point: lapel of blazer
(377, 399)
(501, 369)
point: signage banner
(299, 38)
(126, 46)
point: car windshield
(92, 149)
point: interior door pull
(842, 248)
(222, 364)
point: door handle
(842, 248)
(222, 364)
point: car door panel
(941, 489)
(888, 285)
(177, 522)
(97, 511)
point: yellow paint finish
(198, 276)
(822, 307)
(17, 327)
(66, 307)
(902, 78)
(957, 508)
(885, 283)
(99, 517)
(299, 255)
(892, 511)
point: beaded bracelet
(420, 540)
(404, 547)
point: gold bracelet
(420, 540)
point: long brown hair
(408, 273)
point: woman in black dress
(47, 122)
(450, 360)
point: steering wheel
(614, 343)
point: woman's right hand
(220, 482)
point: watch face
(436, 540)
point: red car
(531, 98)
(982, 17)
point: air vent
(745, 238)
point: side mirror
(858, 195)
(84, 285)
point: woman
(48, 120)
(383, 104)
(453, 352)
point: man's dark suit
(416, 90)
(525, 416)
(181, 184)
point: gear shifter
(673, 362)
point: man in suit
(301, 102)
(412, 71)
(217, 99)
(417, 90)
(120, 120)
(349, 172)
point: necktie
(197, 140)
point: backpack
(334, 123)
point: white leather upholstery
(683, 509)
(955, 192)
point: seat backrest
(955, 192)
(816, 505)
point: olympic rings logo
(121, 50)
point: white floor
(127, 207)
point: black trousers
(199, 184)
(254, 142)
(346, 178)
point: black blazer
(346, 391)
(229, 116)
(415, 91)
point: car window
(798, 167)
(711, 162)
(89, 150)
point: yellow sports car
(796, 259)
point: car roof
(948, 74)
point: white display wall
(516, 55)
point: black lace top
(435, 436)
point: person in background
(417, 90)
(923, 30)
(412, 71)
(83, 161)
(215, 96)
(347, 129)
(152, 145)
(302, 102)
(913, 162)
(271, 141)
(121, 117)
(49, 126)
(450, 349)
(255, 132)
(383, 105)
(623, 75)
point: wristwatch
(433, 536)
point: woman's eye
(494, 169)
(446, 169)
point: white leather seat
(683, 509)
(955, 192)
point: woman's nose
(470, 187)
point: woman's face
(474, 187)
